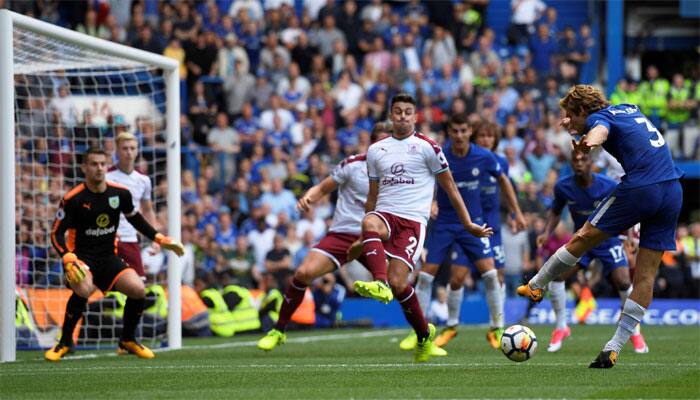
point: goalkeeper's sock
(133, 309)
(293, 296)
(74, 311)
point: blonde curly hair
(583, 98)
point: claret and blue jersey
(650, 175)
(468, 173)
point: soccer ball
(518, 343)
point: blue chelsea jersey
(581, 201)
(636, 144)
(490, 188)
(468, 173)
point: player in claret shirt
(89, 214)
(402, 171)
(350, 178)
(650, 193)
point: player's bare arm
(446, 181)
(317, 192)
(507, 188)
(372, 195)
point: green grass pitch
(366, 364)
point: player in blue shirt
(650, 193)
(487, 136)
(469, 164)
(581, 193)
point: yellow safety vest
(654, 99)
(221, 320)
(678, 115)
(22, 318)
(160, 307)
(245, 314)
(273, 295)
(689, 247)
(120, 299)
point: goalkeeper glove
(74, 269)
(169, 243)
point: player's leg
(405, 294)
(455, 295)
(620, 277)
(74, 312)
(376, 229)
(659, 217)
(127, 281)
(438, 245)
(563, 260)
(557, 295)
(130, 252)
(315, 264)
(492, 287)
(424, 291)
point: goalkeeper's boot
(558, 336)
(136, 348)
(377, 290)
(606, 359)
(526, 291)
(424, 347)
(272, 339)
(57, 352)
(446, 335)
(640, 346)
(409, 342)
(493, 336)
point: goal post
(97, 65)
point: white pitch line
(343, 366)
(250, 343)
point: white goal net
(69, 95)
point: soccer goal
(72, 91)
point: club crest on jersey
(114, 202)
(398, 169)
(412, 149)
(475, 171)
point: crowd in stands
(275, 95)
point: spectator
(440, 47)
(525, 13)
(280, 199)
(328, 35)
(437, 311)
(328, 296)
(543, 49)
(517, 257)
(240, 264)
(239, 89)
(229, 54)
(261, 240)
(267, 117)
(64, 106)
(278, 261)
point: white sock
(624, 294)
(560, 262)
(557, 294)
(632, 314)
(502, 292)
(424, 290)
(493, 298)
(454, 305)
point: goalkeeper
(90, 214)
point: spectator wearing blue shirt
(539, 162)
(280, 200)
(328, 297)
(226, 232)
(543, 48)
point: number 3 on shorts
(412, 243)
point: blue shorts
(493, 219)
(444, 238)
(610, 253)
(656, 207)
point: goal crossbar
(8, 21)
